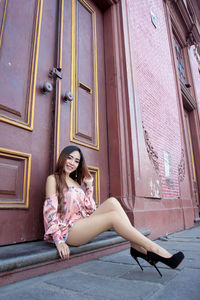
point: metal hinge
(55, 72)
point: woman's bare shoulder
(51, 178)
(50, 185)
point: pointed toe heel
(173, 262)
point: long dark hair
(77, 175)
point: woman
(71, 217)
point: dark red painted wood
(17, 49)
(84, 135)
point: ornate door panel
(27, 51)
(83, 120)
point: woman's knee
(113, 216)
(114, 202)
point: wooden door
(83, 121)
(36, 36)
(190, 154)
(27, 52)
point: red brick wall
(156, 85)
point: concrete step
(18, 256)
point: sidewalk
(117, 276)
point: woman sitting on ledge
(71, 217)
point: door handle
(68, 97)
(47, 87)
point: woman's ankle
(139, 248)
(160, 251)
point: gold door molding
(191, 157)
(84, 81)
(95, 172)
(23, 116)
(15, 169)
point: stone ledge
(196, 220)
(31, 253)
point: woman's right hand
(63, 250)
(88, 180)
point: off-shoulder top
(77, 205)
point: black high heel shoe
(172, 262)
(135, 254)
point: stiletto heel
(138, 263)
(135, 254)
(172, 262)
(154, 265)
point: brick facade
(157, 88)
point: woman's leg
(112, 204)
(109, 217)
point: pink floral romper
(77, 205)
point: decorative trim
(60, 43)
(3, 22)
(193, 35)
(197, 53)
(153, 155)
(96, 173)
(191, 149)
(16, 155)
(74, 135)
(58, 120)
(58, 82)
(105, 4)
(181, 167)
(188, 100)
(28, 124)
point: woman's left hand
(88, 181)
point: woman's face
(72, 162)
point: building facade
(165, 41)
(121, 79)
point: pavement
(117, 276)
